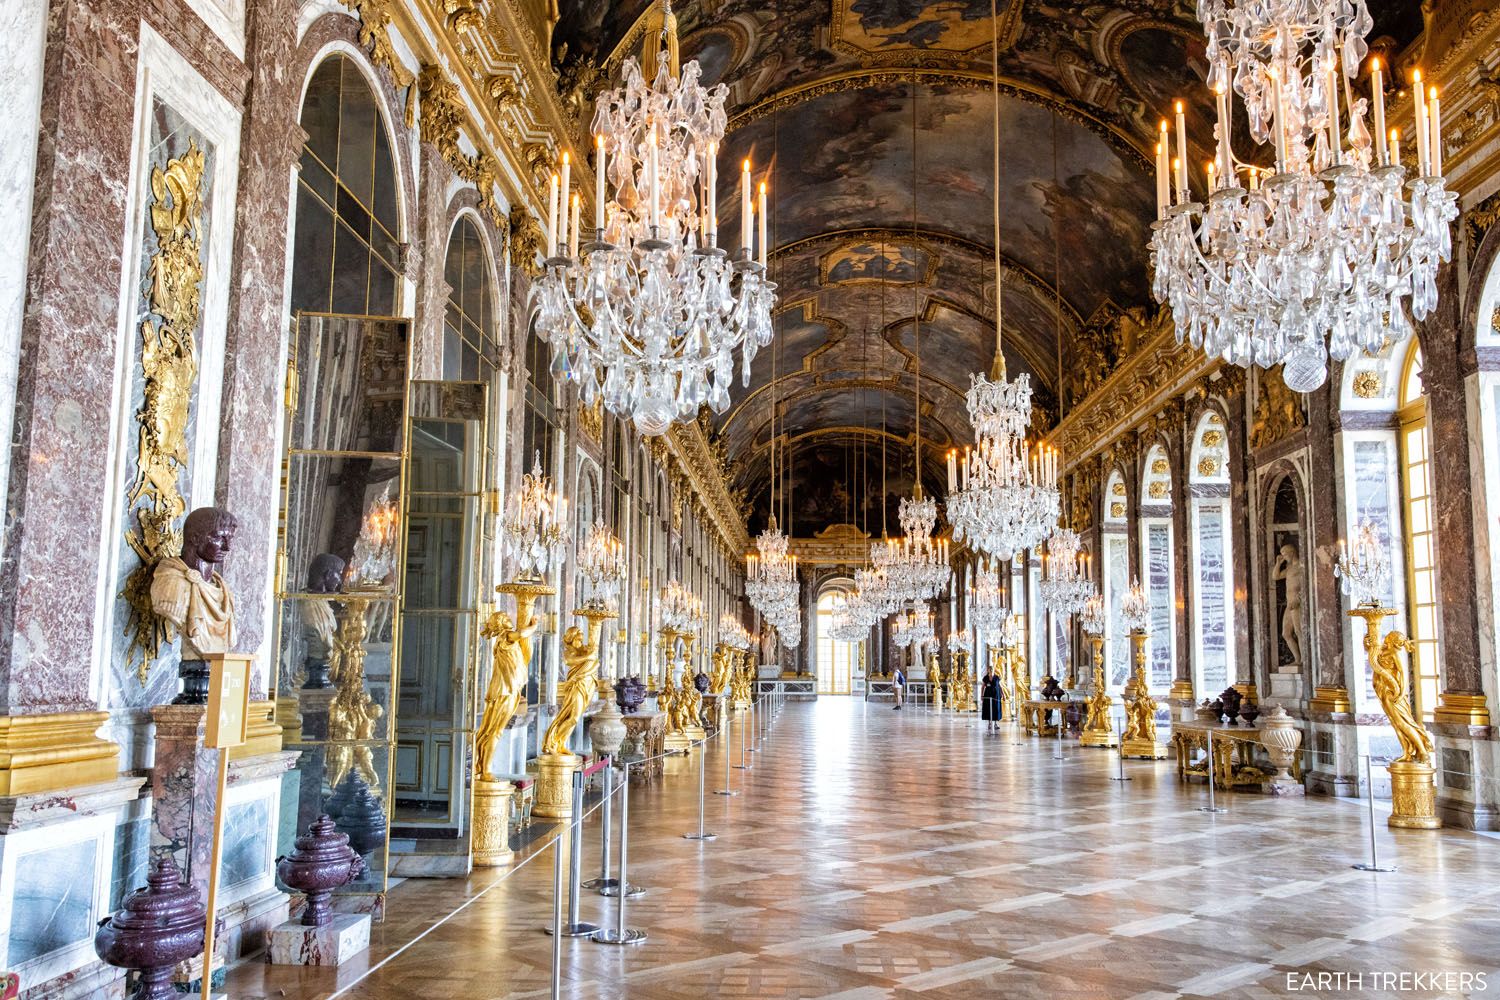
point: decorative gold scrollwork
(169, 367)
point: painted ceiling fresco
(850, 104)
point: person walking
(898, 688)
(989, 699)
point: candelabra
(649, 314)
(1365, 573)
(989, 606)
(1336, 242)
(1067, 582)
(601, 564)
(535, 525)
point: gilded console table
(645, 739)
(1034, 716)
(1234, 763)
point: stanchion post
(1120, 753)
(702, 771)
(605, 833)
(1212, 806)
(574, 927)
(1374, 865)
(1060, 755)
(556, 928)
(754, 720)
(728, 741)
(619, 934)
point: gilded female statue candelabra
(935, 679)
(1098, 729)
(510, 656)
(744, 680)
(718, 678)
(1018, 685)
(580, 686)
(1140, 712)
(353, 713)
(690, 697)
(1413, 790)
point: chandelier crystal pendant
(649, 314)
(1321, 257)
(536, 519)
(1067, 583)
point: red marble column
(64, 391)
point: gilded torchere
(1140, 711)
(1018, 686)
(720, 680)
(935, 680)
(673, 699)
(353, 714)
(692, 698)
(1098, 728)
(1413, 792)
(744, 680)
(580, 686)
(504, 698)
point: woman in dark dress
(989, 699)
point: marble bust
(188, 591)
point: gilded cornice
(687, 443)
(836, 545)
(1140, 386)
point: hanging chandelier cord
(916, 303)
(997, 367)
(661, 37)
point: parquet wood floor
(879, 855)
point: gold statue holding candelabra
(504, 698)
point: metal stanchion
(727, 741)
(1211, 807)
(1060, 755)
(556, 929)
(702, 771)
(754, 721)
(1120, 752)
(619, 934)
(742, 765)
(604, 880)
(1374, 865)
(574, 927)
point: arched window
(1116, 542)
(835, 659)
(469, 348)
(1421, 545)
(1210, 557)
(348, 203)
(1156, 558)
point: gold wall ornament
(375, 35)
(526, 240)
(1160, 467)
(1212, 437)
(1157, 490)
(353, 714)
(1278, 410)
(1116, 510)
(1368, 384)
(169, 369)
(1208, 466)
(463, 15)
(591, 421)
(1117, 489)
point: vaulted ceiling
(875, 119)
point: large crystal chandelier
(771, 584)
(989, 606)
(536, 524)
(915, 627)
(649, 314)
(1336, 242)
(916, 564)
(848, 623)
(1002, 498)
(1066, 582)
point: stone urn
(1207, 712)
(630, 695)
(1250, 712)
(1231, 700)
(357, 811)
(155, 928)
(607, 730)
(322, 862)
(1281, 736)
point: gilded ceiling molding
(705, 470)
(375, 35)
(1278, 410)
(1141, 384)
(169, 371)
(947, 76)
(835, 545)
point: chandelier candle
(1182, 170)
(746, 233)
(567, 187)
(1419, 100)
(601, 160)
(552, 220)
(762, 209)
(1377, 89)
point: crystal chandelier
(601, 563)
(847, 625)
(1135, 608)
(961, 643)
(771, 584)
(916, 564)
(536, 520)
(915, 627)
(1002, 496)
(1093, 618)
(1365, 573)
(1067, 584)
(733, 633)
(1336, 243)
(681, 611)
(989, 606)
(649, 314)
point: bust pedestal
(492, 823)
(554, 785)
(1413, 796)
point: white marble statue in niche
(1288, 571)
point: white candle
(1435, 127)
(762, 209)
(1377, 91)
(1182, 170)
(1396, 146)
(1209, 172)
(552, 221)
(1226, 157)
(747, 236)
(1163, 196)
(567, 189)
(712, 207)
(1280, 122)
(1419, 99)
(1335, 141)
(1178, 173)
(655, 187)
(573, 228)
(952, 471)
(600, 194)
